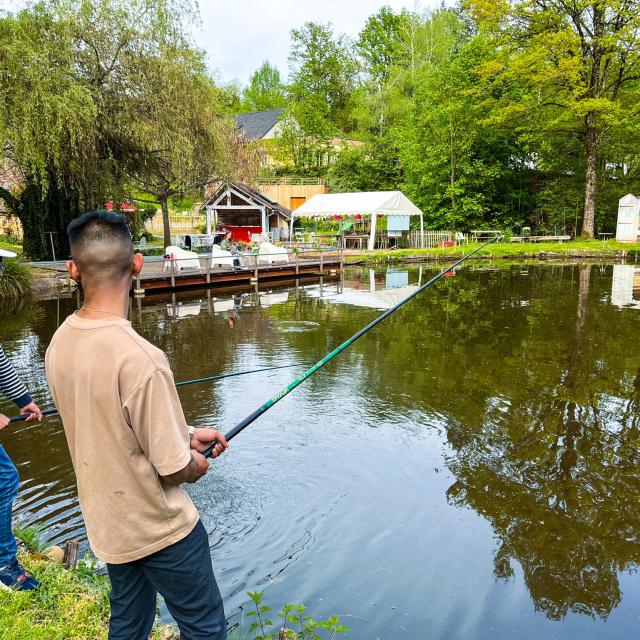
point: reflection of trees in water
(555, 472)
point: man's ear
(138, 261)
(73, 270)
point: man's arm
(14, 389)
(197, 466)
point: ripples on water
(466, 470)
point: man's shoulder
(128, 346)
(150, 357)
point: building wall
(292, 195)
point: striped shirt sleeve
(10, 384)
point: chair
(220, 257)
(141, 244)
(459, 237)
(181, 258)
(269, 253)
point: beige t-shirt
(125, 429)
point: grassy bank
(16, 280)
(578, 249)
(73, 605)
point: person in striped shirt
(12, 575)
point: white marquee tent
(366, 203)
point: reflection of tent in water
(397, 288)
(184, 310)
(623, 284)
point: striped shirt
(10, 384)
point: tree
(565, 68)
(99, 99)
(321, 80)
(265, 89)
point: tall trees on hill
(509, 112)
(265, 89)
(565, 70)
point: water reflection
(493, 421)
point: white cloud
(239, 35)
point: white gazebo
(393, 204)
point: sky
(239, 35)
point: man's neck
(104, 301)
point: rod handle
(46, 412)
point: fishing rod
(49, 412)
(243, 424)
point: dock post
(71, 551)
(173, 272)
(138, 291)
(208, 269)
(297, 263)
(341, 258)
(321, 260)
(255, 269)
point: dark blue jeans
(183, 574)
(8, 491)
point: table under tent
(394, 205)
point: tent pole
(372, 235)
(422, 230)
(208, 211)
(291, 228)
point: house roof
(257, 124)
(248, 192)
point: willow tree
(565, 69)
(98, 98)
(47, 126)
(179, 144)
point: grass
(32, 537)
(16, 280)
(10, 245)
(572, 249)
(72, 605)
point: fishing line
(243, 424)
(49, 412)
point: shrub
(16, 280)
(293, 623)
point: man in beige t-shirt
(130, 445)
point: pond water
(469, 469)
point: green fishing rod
(243, 424)
(49, 412)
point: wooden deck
(159, 276)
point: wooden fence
(431, 238)
(179, 222)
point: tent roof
(7, 254)
(386, 203)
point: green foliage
(31, 536)
(322, 77)
(265, 89)
(16, 280)
(103, 99)
(564, 72)
(71, 605)
(294, 623)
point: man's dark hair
(101, 245)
